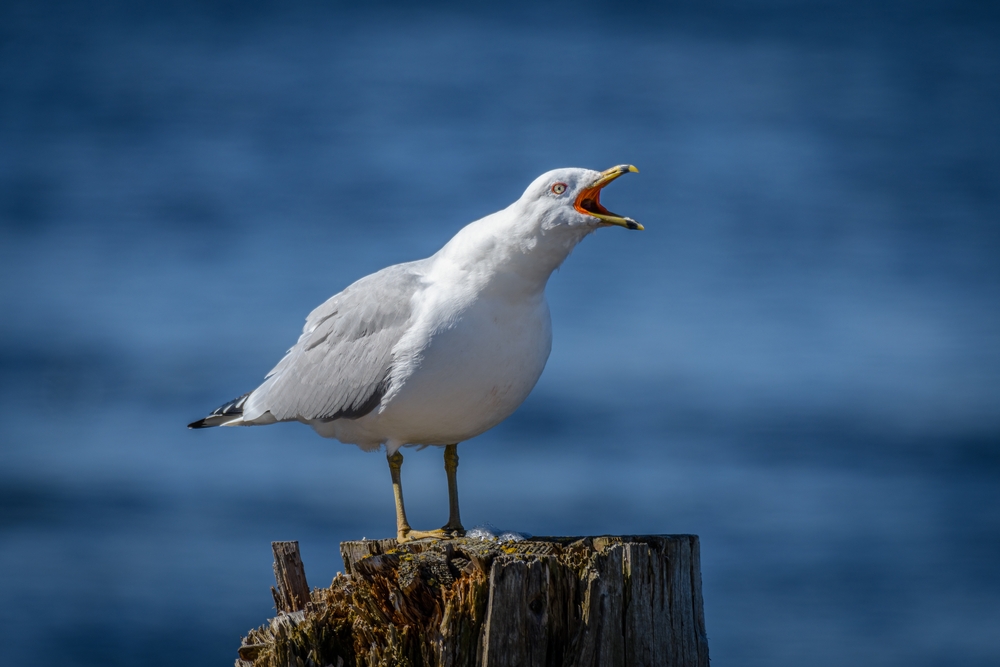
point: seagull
(439, 350)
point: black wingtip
(222, 414)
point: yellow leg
(402, 527)
(454, 524)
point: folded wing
(340, 367)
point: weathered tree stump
(292, 593)
(565, 601)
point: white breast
(459, 375)
(479, 339)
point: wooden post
(611, 601)
(292, 593)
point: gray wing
(341, 364)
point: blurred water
(797, 360)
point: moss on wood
(466, 602)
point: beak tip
(632, 168)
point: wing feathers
(341, 364)
(231, 411)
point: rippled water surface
(798, 359)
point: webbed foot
(446, 532)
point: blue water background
(798, 360)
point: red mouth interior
(589, 201)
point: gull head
(572, 197)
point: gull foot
(444, 533)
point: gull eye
(559, 188)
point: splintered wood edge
(621, 563)
(353, 551)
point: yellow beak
(589, 199)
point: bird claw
(443, 533)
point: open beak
(589, 199)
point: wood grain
(292, 593)
(607, 601)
